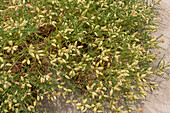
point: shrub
(58, 47)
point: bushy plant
(98, 48)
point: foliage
(98, 48)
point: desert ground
(159, 100)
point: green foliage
(57, 47)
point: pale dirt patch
(160, 98)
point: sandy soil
(160, 98)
